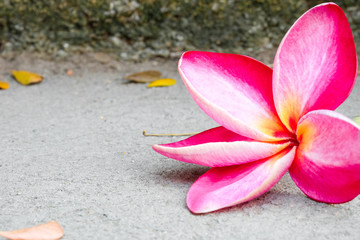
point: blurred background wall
(136, 30)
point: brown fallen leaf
(164, 82)
(144, 77)
(102, 57)
(26, 78)
(4, 85)
(48, 231)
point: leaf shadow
(130, 82)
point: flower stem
(168, 135)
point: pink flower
(275, 121)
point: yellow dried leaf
(4, 85)
(357, 120)
(164, 82)
(27, 78)
(48, 231)
(144, 77)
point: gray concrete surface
(72, 150)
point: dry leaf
(102, 57)
(4, 85)
(357, 120)
(144, 77)
(26, 78)
(48, 231)
(69, 72)
(164, 82)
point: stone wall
(139, 29)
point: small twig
(168, 135)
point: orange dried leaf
(69, 72)
(4, 85)
(48, 231)
(26, 78)
(144, 77)
(164, 82)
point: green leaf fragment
(357, 120)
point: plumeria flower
(275, 120)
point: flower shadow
(283, 197)
(184, 174)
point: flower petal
(219, 147)
(235, 91)
(315, 66)
(227, 186)
(327, 163)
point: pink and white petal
(327, 163)
(315, 66)
(235, 91)
(219, 147)
(227, 186)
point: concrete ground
(72, 150)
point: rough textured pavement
(72, 150)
